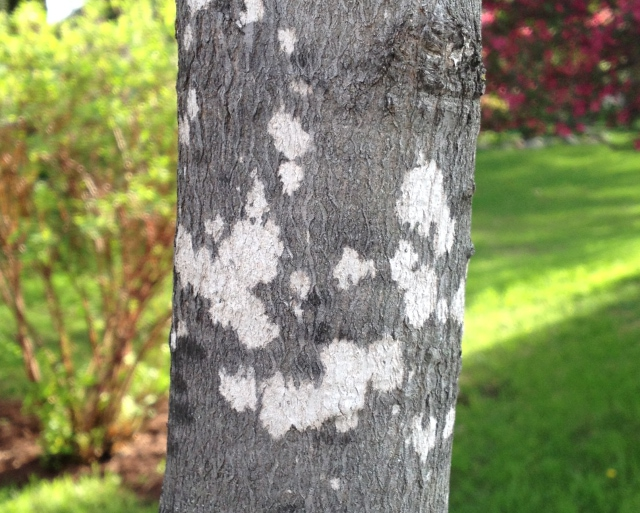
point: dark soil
(137, 460)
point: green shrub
(87, 158)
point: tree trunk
(324, 199)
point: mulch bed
(137, 460)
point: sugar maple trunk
(324, 193)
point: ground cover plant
(549, 417)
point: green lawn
(549, 412)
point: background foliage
(556, 66)
(87, 158)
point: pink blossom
(601, 18)
(488, 17)
(525, 31)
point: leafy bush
(558, 65)
(87, 159)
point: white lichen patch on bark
(455, 309)
(184, 134)
(181, 329)
(335, 483)
(290, 139)
(291, 174)
(214, 227)
(256, 204)
(187, 37)
(288, 135)
(192, 104)
(248, 256)
(300, 284)
(196, 5)
(346, 422)
(351, 269)
(442, 311)
(300, 87)
(297, 310)
(423, 202)
(449, 423)
(288, 40)
(423, 439)
(457, 305)
(254, 12)
(419, 283)
(349, 369)
(240, 388)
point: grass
(88, 494)
(549, 412)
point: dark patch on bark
(308, 364)
(330, 436)
(322, 333)
(181, 411)
(314, 298)
(173, 444)
(190, 350)
(289, 508)
(304, 61)
(289, 502)
(178, 384)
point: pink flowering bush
(554, 66)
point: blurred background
(549, 408)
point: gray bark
(324, 201)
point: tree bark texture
(325, 179)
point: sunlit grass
(550, 227)
(87, 494)
(549, 411)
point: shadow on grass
(550, 421)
